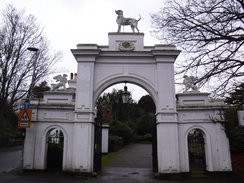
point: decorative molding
(57, 101)
(54, 115)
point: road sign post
(24, 118)
(26, 104)
(24, 121)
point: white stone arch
(121, 79)
(45, 144)
(208, 149)
(150, 67)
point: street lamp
(125, 95)
(32, 49)
(35, 50)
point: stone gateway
(70, 113)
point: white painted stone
(152, 67)
(241, 117)
(168, 149)
(116, 38)
(105, 134)
(192, 116)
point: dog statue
(121, 20)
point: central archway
(127, 130)
(151, 68)
(133, 80)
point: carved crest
(126, 46)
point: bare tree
(19, 66)
(211, 32)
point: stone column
(29, 147)
(83, 139)
(166, 115)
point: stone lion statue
(190, 83)
(62, 81)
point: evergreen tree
(38, 91)
(234, 131)
(236, 97)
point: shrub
(147, 137)
(237, 140)
(136, 138)
(115, 143)
(120, 129)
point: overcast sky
(70, 22)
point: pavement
(131, 165)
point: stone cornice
(88, 55)
(126, 33)
(165, 55)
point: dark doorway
(55, 151)
(196, 148)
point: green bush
(136, 138)
(147, 137)
(120, 129)
(237, 140)
(115, 143)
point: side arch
(45, 144)
(208, 149)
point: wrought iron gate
(154, 148)
(196, 148)
(98, 146)
(55, 151)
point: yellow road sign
(24, 118)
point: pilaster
(168, 148)
(85, 55)
(83, 149)
(166, 103)
(29, 148)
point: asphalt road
(133, 156)
(10, 158)
(130, 165)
